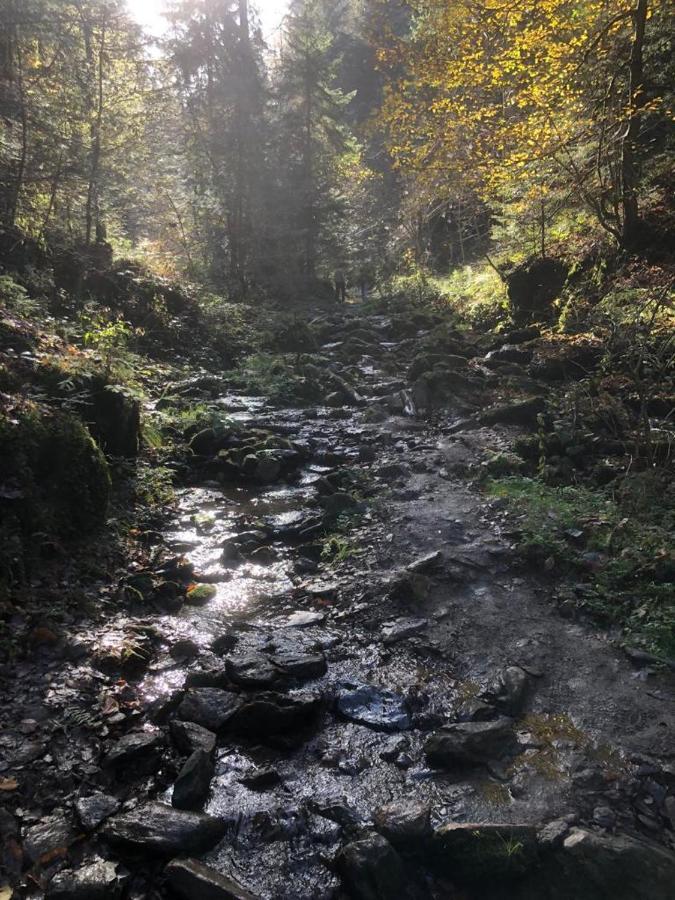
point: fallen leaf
(8, 784)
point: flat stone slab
(402, 629)
(161, 829)
(192, 880)
(212, 708)
(373, 706)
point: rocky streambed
(334, 680)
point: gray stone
(554, 833)
(402, 629)
(209, 707)
(604, 816)
(373, 706)
(470, 743)
(139, 745)
(161, 829)
(194, 781)
(509, 690)
(304, 618)
(300, 665)
(192, 880)
(188, 737)
(269, 713)
(595, 865)
(425, 564)
(95, 808)
(372, 870)
(252, 671)
(49, 838)
(96, 880)
(405, 823)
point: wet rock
(405, 823)
(188, 737)
(393, 748)
(49, 838)
(510, 353)
(337, 810)
(192, 880)
(554, 833)
(184, 649)
(373, 706)
(604, 817)
(95, 808)
(426, 564)
(210, 707)
(158, 828)
(261, 779)
(231, 554)
(267, 468)
(263, 556)
(304, 618)
(96, 880)
(252, 671)
(488, 852)
(470, 743)
(194, 781)
(522, 412)
(476, 710)
(302, 666)
(599, 866)
(402, 629)
(508, 691)
(224, 643)
(134, 747)
(372, 870)
(338, 503)
(375, 414)
(269, 714)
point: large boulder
(58, 477)
(114, 418)
(533, 286)
(157, 828)
(470, 743)
(270, 714)
(595, 865)
(372, 870)
(210, 707)
(405, 823)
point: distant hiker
(340, 286)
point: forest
(337, 432)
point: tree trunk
(636, 100)
(96, 126)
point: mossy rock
(200, 594)
(55, 476)
(505, 463)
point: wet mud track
(358, 637)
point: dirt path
(367, 650)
